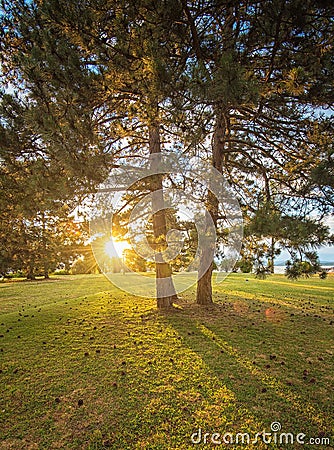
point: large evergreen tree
(99, 75)
(263, 70)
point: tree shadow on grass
(257, 387)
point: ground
(85, 366)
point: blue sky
(325, 253)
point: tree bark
(45, 248)
(272, 256)
(46, 272)
(30, 274)
(204, 288)
(204, 282)
(165, 289)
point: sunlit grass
(147, 380)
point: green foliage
(84, 265)
(90, 80)
(303, 233)
(37, 201)
(262, 272)
(298, 268)
(266, 221)
(134, 261)
(297, 234)
(245, 265)
(323, 274)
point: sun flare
(115, 249)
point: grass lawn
(85, 366)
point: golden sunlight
(115, 249)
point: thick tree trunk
(30, 274)
(204, 283)
(164, 284)
(204, 288)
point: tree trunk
(30, 274)
(45, 248)
(272, 256)
(46, 272)
(204, 282)
(164, 284)
(204, 288)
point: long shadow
(263, 395)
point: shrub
(245, 265)
(83, 265)
(323, 274)
(61, 272)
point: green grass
(148, 380)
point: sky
(326, 253)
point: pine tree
(95, 78)
(254, 68)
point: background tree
(300, 236)
(37, 229)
